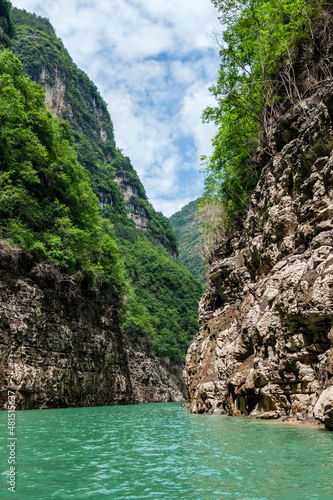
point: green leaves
(162, 302)
(259, 41)
(6, 25)
(46, 201)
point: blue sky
(153, 62)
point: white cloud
(197, 98)
(152, 62)
(169, 207)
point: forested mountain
(265, 345)
(70, 95)
(187, 227)
(70, 196)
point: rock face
(265, 347)
(135, 211)
(154, 379)
(62, 347)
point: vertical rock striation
(60, 345)
(154, 379)
(265, 347)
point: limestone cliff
(61, 345)
(57, 101)
(154, 379)
(137, 213)
(265, 347)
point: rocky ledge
(265, 347)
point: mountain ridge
(128, 257)
(187, 226)
(70, 95)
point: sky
(153, 62)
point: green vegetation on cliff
(167, 291)
(77, 100)
(61, 191)
(264, 46)
(47, 61)
(46, 201)
(187, 226)
(6, 25)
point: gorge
(100, 293)
(75, 333)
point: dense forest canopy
(53, 174)
(46, 202)
(6, 25)
(166, 290)
(272, 54)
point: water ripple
(163, 452)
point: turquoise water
(161, 451)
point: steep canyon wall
(61, 345)
(265, 347)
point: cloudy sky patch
(152, 62)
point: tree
(46, 201)
(212, 218)
(265, 64)
(6, 25)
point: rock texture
(135, 211)
(55, 94)
(154, 379)
(61, 346)
(265, 347)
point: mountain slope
(70, 95)
(86, 231)
(187, 227)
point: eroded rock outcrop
(265, 347)
(61, 345)
(135, 210)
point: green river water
(161, 451)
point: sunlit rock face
(265, 347)
(135, 210)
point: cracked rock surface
(61, 346)
(265, 346)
